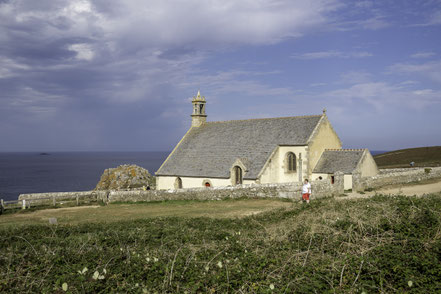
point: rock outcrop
(125, 177)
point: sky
(118, 75)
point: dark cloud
(116, 74)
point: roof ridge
(267, 118)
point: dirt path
(411, 190)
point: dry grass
(134, 211)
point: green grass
(423, 157)
(380, 244)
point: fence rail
(46, 201)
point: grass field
(375, 245)
(133, 211)
(424, 156)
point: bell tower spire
(198, 117)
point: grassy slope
(374, 245)
(424, 156)
(133, 211)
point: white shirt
(306, 188)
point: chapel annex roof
(211, 149)
(339, 160)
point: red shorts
(305, 196)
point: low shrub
(381, 244)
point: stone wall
(320, 189)
(390, 177)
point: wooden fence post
(78, 200)
(54, 201)
(23, 206)
(2, 204)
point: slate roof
(211, 149)
(342, 160)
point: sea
(34, 172)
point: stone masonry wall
(320, 189)
(389, 177)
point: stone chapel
(259, 151)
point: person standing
(306, 190)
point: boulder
(125, 177)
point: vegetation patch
(380, 244)
(421, 157)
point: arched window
(207, 184)
(291, 162)
(238, 177)
(178, 183)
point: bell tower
(198, 117)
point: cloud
(83, 51)
(331, 54)
(423, 55)
(383, 96)
(237, 82)
(430, 69)
(433, 19)
(108, 62)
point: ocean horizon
(39, 172)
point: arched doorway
(178, 183)
(238, 176)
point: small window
(207, 184)
(238, 177)
(332, 179)
(320, 178)
(178, 183)
(291, 162)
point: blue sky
(118, 75)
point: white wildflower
(82, 272)
(219, 264)
(64, 287)
(272, 286)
